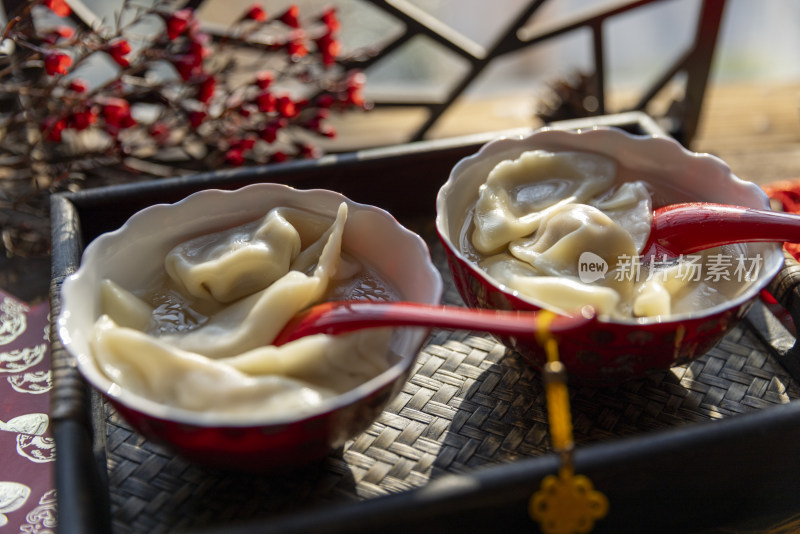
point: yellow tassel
(566, 503)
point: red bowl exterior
(609, 352)
(258, 443)
(602, 353)
(269, 448)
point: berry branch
(177, 95)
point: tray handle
(80, 473)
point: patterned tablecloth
(27, 497)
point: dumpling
(124, 307)
(631, 207)
(338, 363)
(149, 367)
(228, 265)
(560, 294)
(519, 193)
(255, 320)
(569, 231)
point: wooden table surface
(755, 127)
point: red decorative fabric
(27, 495)
(787, 194)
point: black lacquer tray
(465, 444)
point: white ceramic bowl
(132, 256)
(614, 350)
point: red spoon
(694, 226)
(339, 317)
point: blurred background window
(757, 42)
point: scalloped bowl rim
(610, 135)
(77, 344)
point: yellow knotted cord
(566, 503)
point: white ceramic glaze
(133, 256)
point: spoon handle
(347, 316)
(692, 227)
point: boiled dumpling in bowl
(563, 229)
(256, 319)
(519, 193)
(567, 233)
(226, 266)
(268, 380)
(562, 294)
(223, 361)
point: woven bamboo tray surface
(470, 402)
